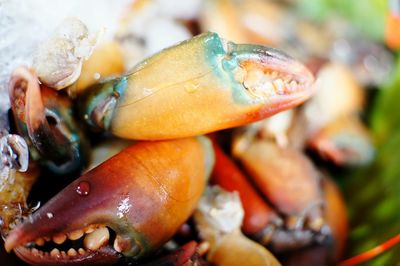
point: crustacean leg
(130, 205)
(288, 179)
(335, 130)
(258, 214)
(345, 142)
(44, 118)
(331, 251)
(220, 83)
(261, 221)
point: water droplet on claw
(191, 87)
(83, 188)
(96, 76)
(147, 92)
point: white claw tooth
(59, 238)
(72, 252)
(117, 244)
(279, 86)
(74, 235)
(268, 88)
(81, 251)
(203, 248)
(96, 239)
(293, 85)
(253, 78)
(121, 245)
(89, 229)
(63, 254)
(35, 251)
(255, 75)
(55, 252)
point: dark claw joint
(128, 206)
(44, 118)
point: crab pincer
(262, 220)
(199, 86)
(45, 119)
(126, 207)
(275, 169)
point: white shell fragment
(218, 213)
(277, 126)
(14, 153)
(58, 62)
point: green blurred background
(372, 193)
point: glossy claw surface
(131, 205)
(220, 83)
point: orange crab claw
(345, 141)
(276, 169)
(261, 221)
(220, 83)
(130, 205)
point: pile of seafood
(217, 150)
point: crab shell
(143, 194)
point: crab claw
(275, 169)
(261, 221)
(220, 83)
(44, 118)
(130, 205)
(345, 142)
